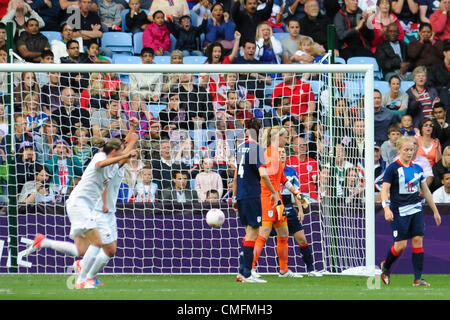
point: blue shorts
(250, 212)
(407, 227)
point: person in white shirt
(442, 195)
(59, 47)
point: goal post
(170, 237)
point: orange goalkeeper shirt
(274, 167)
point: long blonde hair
(96, 86)
(446, 152)
(270, 132)
(258, 30)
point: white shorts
(81, 219)
(107, 225)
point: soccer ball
(215, 218)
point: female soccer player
(275, 138)
(250, 170)
(402, 183)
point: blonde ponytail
(270, 132)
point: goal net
(191, 119)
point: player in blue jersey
(400, 196)
(250, 169)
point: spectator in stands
(426, 8)
(429, 147)
(175, 9)
(215, 52)
(40, 190)
(111, 120)
(187, 35)
(407, 126)
(235, 114)
(207, 180)
(302, 96)
(353, 198)
(380, 21)
(145, 189)
(149, 145)
(290, 44)
(197, 100)
(295, 8)
(314, 24)
(110, 15)
(439, 74)
(70, 116)
(82, 149)
(383, 118)
(70, 9)
(175, 116)
(440, 126)
(389, 147)
(352, 33)
(427, 50)
(93, 50)
(35, 116)
(26, 86)
(281, 109)
(323, 187)
(93, 97)
(341, 166)
(4, 127)
(59, 47)
(163, 167)
(445, 97)
(440, 21)
(138, 109)
(136, 19)
(220, 28)
(44, 142)
(247, 20)
(47, 57)
(90, 26)
(132, 169)
(202, 7)
(442, 195)
(212, 196)
(268, 48)
(180, 193)
(407, 12)
(49, 11)
(395, 100)
(19, 12)
(391, 54)
(76, 81)
(20, 135)
(26, 168)
(63, 167)
(157, 35)
(305, 166)
(171, 80)
(421, 97)
(186, 154)
(31, 42)
(147, 84)
(2, 36)
(440, 168)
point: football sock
(417, 261)
(241, 258)
(67, 248)
(247, 248)
(391, 257)
(305, 250)
(282, 251)
(259, 245)
(87, 262)
(101, 260)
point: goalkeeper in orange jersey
(275, 138)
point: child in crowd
(136, 19)
(92, 51)
(389, 147)
(110, 15)
(187, 35)
(145, 190)
(35, 116)
(407, 127)
(202, 7)
(208, 180)
(82, 150)
(157, 35)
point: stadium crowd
(189, 125)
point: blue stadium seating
(137, 43)
(162, 59)
(281, 35)
(194, 59)
(314, 86)
(405, 85)
(367, 60)
(383, 86)
(125, 59)
(339, 60)
(155, 109)
(52, 35)
(118, 42)
(173, 42)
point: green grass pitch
(222, 287)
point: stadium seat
(155, 109)
(173, 42)
(405, 85)
(194, 59)
(52, 35)
(281, 35)
(367, 60)
(123, 14)
(339, 60)
(314, 86)
(118, 42)
(162, 60)
(199, 136)
(383, 86)
(194, 18)
(356, 87)
(137, 43)
(126, 59)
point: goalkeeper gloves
(303, 200)
(280, 210)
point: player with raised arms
(275, 138)
(250, 171)
(400, 196)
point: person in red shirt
(305, 166)
(440, 21)
(302, 96)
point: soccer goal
(191, 118)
